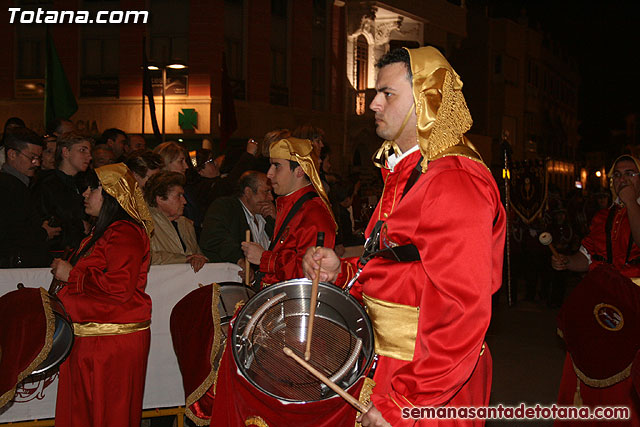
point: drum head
(278, 316)
(600, 324)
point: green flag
(59, 101)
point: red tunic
(102, 381)
(622, 393)
(284, 262)
(454, 217)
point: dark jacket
(224, 229)
(22, 238)
(58, 198)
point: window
(362, 64)
(234, 49)
(319, 55)
(169, 31)
(279, 93)
(100, 54)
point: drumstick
(56, 284)
(247, 238)
(333, 386)
(314, 298)
(546, 239)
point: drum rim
(321, 286)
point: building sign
(177, 82)
(29, 88)
(100, 87)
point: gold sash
(93, 329)
(395, 327)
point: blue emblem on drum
(609, 317)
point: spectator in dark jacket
(23, 236)
(56, 193)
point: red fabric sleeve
(455, 240)
(109, 273)
(285, 261)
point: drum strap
(294, 209)
(607, 228)
(257, 281)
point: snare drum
(199, 324)
(62, 342)
(259, 385)
(341, 346)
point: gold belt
(395, 327)
(93, 329)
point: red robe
(284, 262)
(453, 215)
(102, 381)
(622, 393)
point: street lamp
(173, 66)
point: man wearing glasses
(22, 236)
(611, 255)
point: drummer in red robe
(435, 245)
(302, 210)
(102, 381)
(617, 227)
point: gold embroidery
(50, 323)
(212, 378)
(255, 421)
(365, 395)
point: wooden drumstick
(546, 239)
(314, 298)
(312, 310)
(333, 386)
(247, 239)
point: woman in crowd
(144, 164)
(174, 239)
(102, 381)
(202, 179)
(174, 156)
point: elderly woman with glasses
(174, 240)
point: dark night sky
(604, 38)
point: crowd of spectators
(194, 196)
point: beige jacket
(165, 243)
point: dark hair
(68, 140)
(140, 161)
(249, 179)
(54, 125)
(160, 184)
(325, 152)
(202, 156)
(110, 212)
(309, 132)
(396, 55)
(17, 138)
(270, 138)
(112, 133)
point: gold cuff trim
(365, 395)
(94, 329)
(395, 327)
(635, 280)
(255, 421)
(212, 378)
